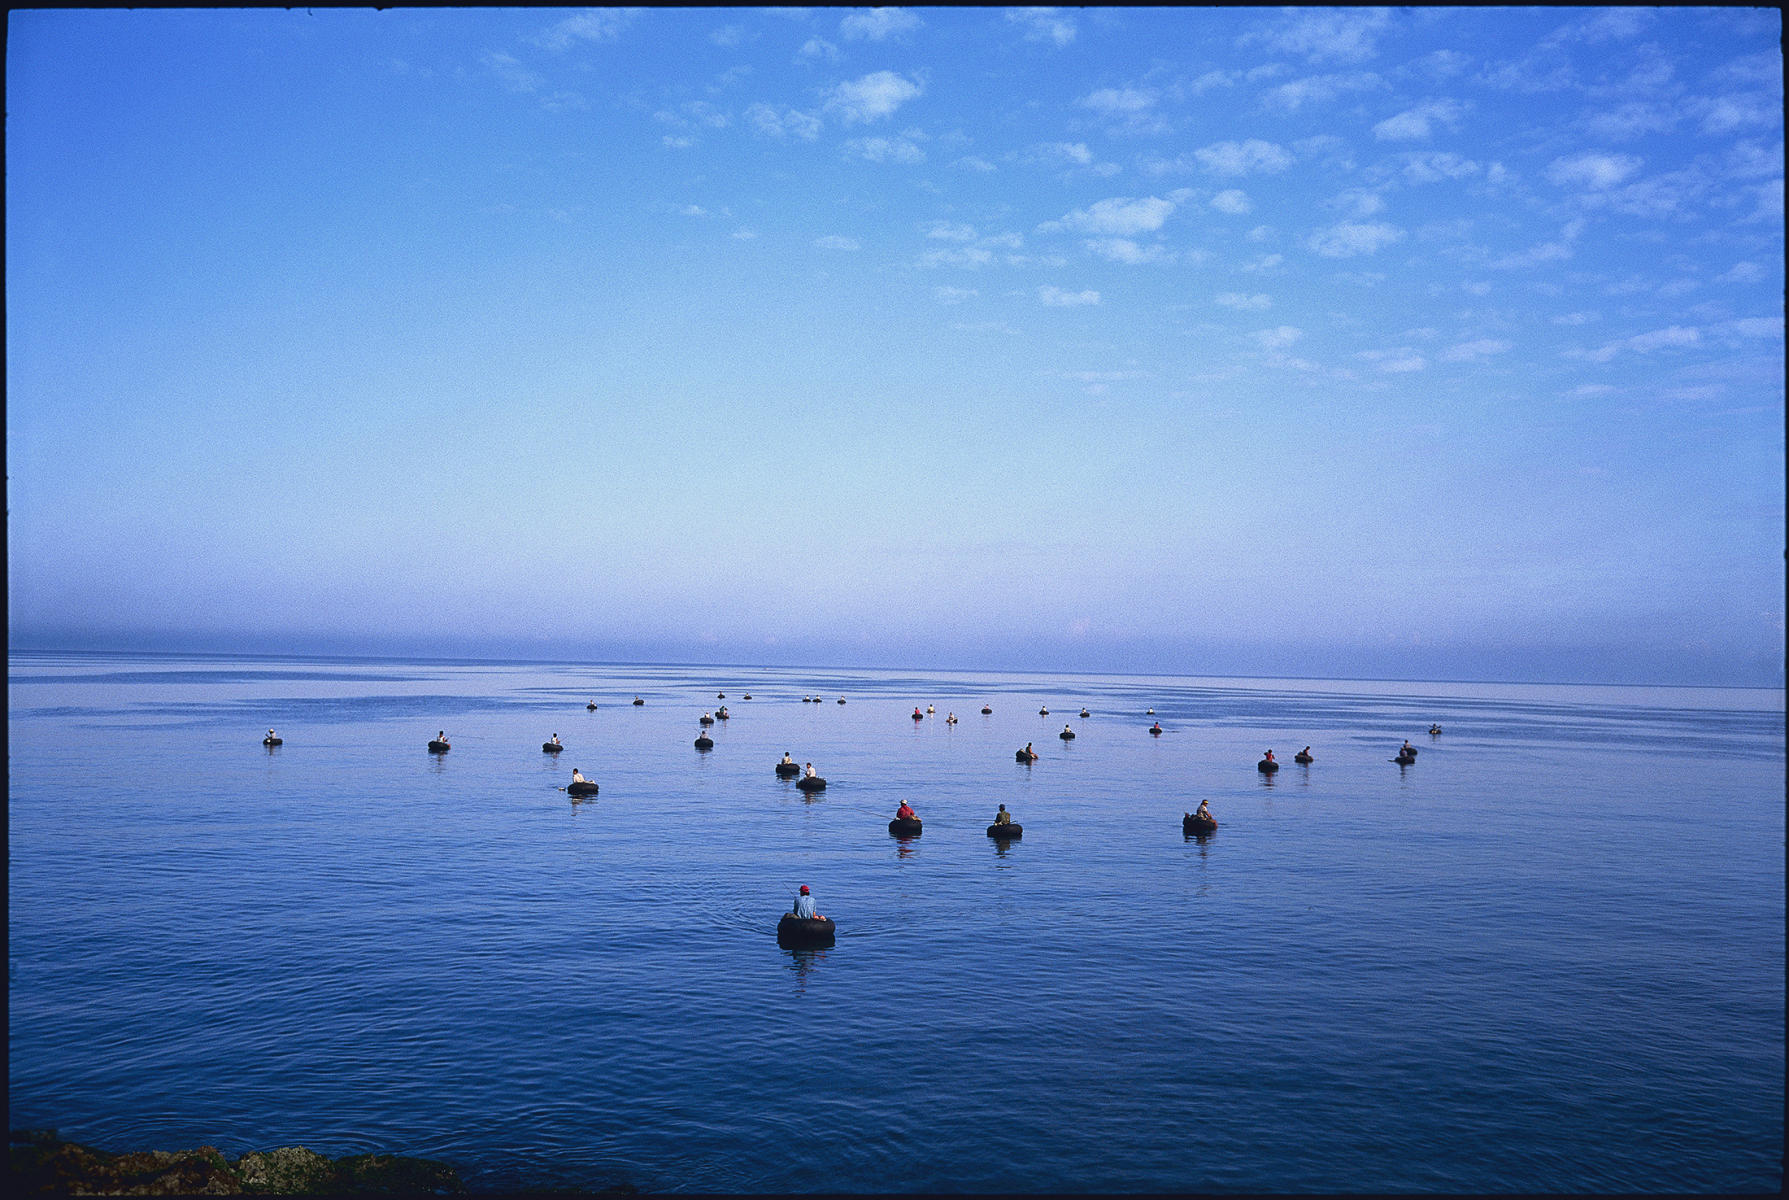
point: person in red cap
(804, 904)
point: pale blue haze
(1433, 343)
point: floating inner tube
(438, 747)
(638, 701)
(812, 783)
(582, 787)
(590, 707)
(720, 695)
(1006, 831)
(985, 710)
(1156, 730)
(1043, 712)
(551, 747)
(1024, 757)
(748, 695)
(917, 717)
(704, 743)
(272, 741)
(1267, 766)
(1411, 751)
(1149, 712)
(705, 720)
(722, 714)
(1192, 824)
(1404, 760)
(1085, 713)
(905, 826)
(1302, 758)
(1067, 735)
(793, 932)
(841, 699)
(784, 770)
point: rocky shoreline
(42, 1164)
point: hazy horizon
(1309, 343)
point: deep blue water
(1548, 956)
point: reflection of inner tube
(551, 747)
(273, 741)
(1193, 824)
(1023, 756)
(812, 783)
(793, 931)
(904, 826)
(1267, 766)
(784, 770)
(1301, 757)
(1006, 831)
(438, 747)
(582, 787)
(704, 742)
(1067, 735)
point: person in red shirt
(904, 813)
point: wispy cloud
(1243, 158)
(1592, 169)
(590, 25)
(1243, 302)
(1475, 350)
(1279, 337)
(1234, 202)
(1120, 216)
(817, 50)
(1127, 251)
(1416, 124)
(783, 124)
(877, 24)
(875, 96)
(1348, 239)
(953, 295)
(1052, 25)
(1325, 35)
(1126, 110)
(1319, 89)
(902, 149)
(834, 242)
(1055, 297)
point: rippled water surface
(1547, 956)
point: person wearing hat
(905, 812)
(804, 904)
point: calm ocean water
(1547, 956)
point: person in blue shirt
(804, 904)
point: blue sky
(1435, 343)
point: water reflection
(802, 962)
(904, 843)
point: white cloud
(590, 25)
(1069, 152)
(1435, 166)
(954, 295)
(744, 235)
(1359, 202)
(1397, 362)
(951, 231)
(1742, 272)
(1318, 89)
(728, 35)
(1278, 338)
(1589, 391)
(1755, 327)
(901, 149)
(1630, 120)
(1242, 158)
(1267, 262)
(1416, 124)
(1592, 170)
(1472, 351)
(1119, 216)
(1234, 202)
(1243, 302)
(873, 97)
(1555, 251)
(834, 242)
(1339, 34)
(815, 49)
(1659, 339)
(1124, 250)
(515, 76)
(678, 142)
(875, 24)
(1044, 24)
(1349, 238)
(789, 123)
(1057, 298)
(1576, 318)
(967, 256)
